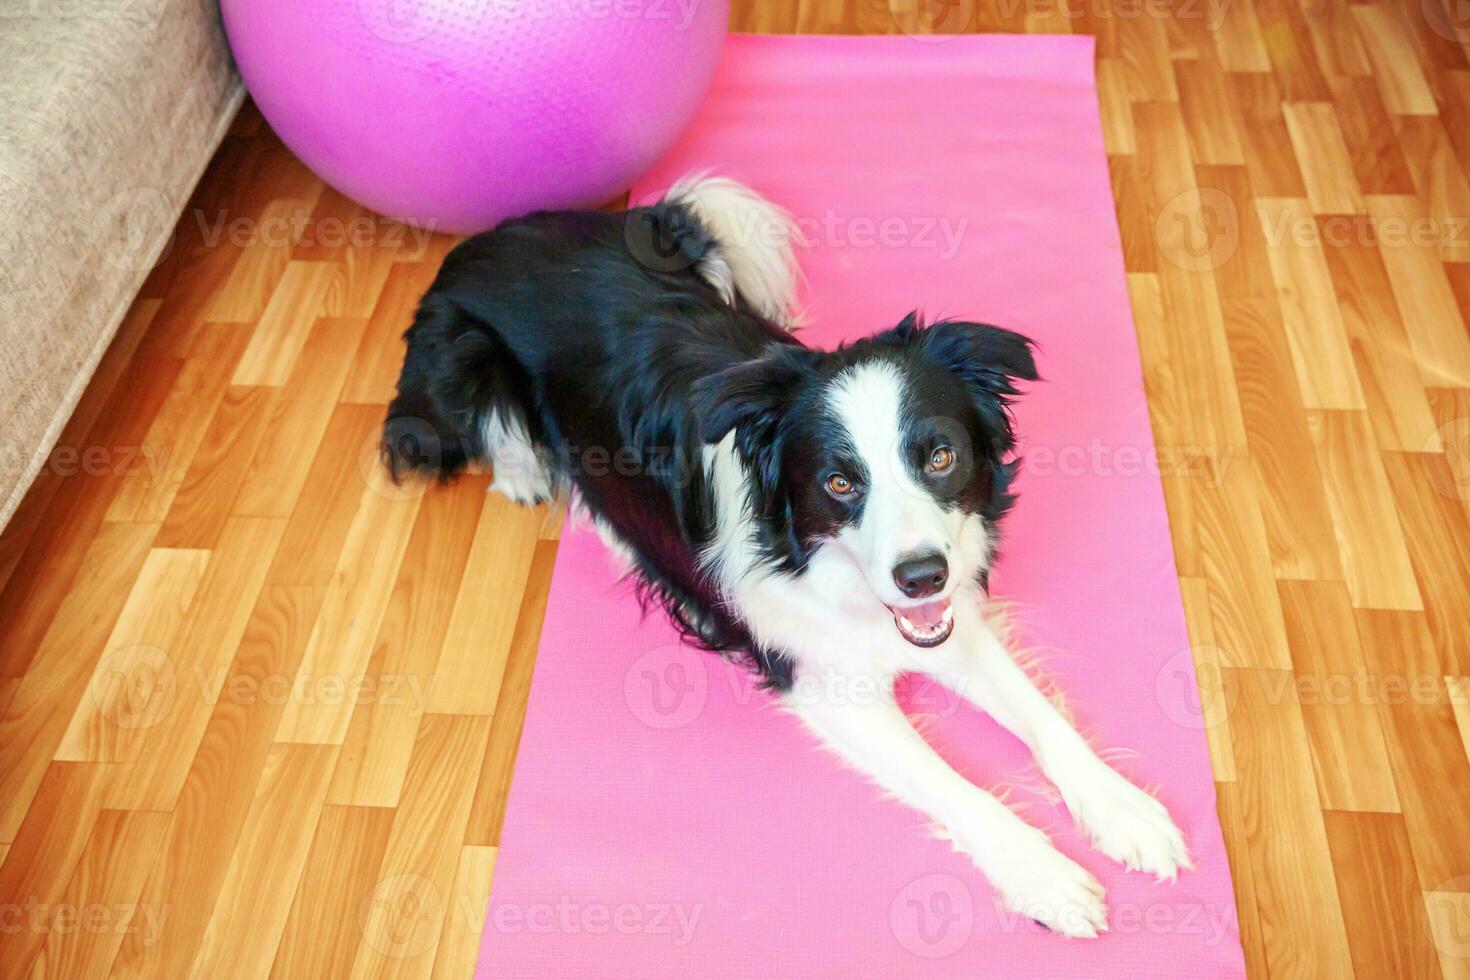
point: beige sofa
(109, 112)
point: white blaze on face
(900, 518)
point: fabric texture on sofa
(109, 112)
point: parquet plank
(472, 660)
(1230, 809)
(1387, 928)
(1437, 530)
(272, 483)
(1370, 541)
(1289, 46)
(1399, 75)
(45, 852)
(1392, 390)
(1314, 329)
(1378, 160)
(1293, 508)
(1140, 246)
(104, 891)
(255, 898)
(362, 273)
(1322, 153)
(121, 689)
(1238, 38)
(265, 253)
(1303, 933)
(375, 754)
(1335, 40)
(42, 705)
(1443, 189)
(150, 481)
(322, 933)
(1145, 62)
(201, 507)
(1397, 647)
(464, 923)
(1459, 693)
(1117, 108)
(189, 869)
(1424, 743)
(409, 900)
(170, 718)
(1430, 314)
(1214, 712)
(1209, 115)
(329, 499)
(44, 575)
(1203, 386)
(374, 374)
(336, 658)
(282, 328)
(1338, 697)
(510, 710)
(1235, 561)
(198, 271)
(1269, 155)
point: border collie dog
(816, 514)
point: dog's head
(893, 452)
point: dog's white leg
(871, 733)
(1126, 824)
(518, 471)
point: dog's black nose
(922, 576)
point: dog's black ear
(751, 398)
(989, 360)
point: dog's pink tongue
(928, 613)
(926, 625)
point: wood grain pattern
(1370, 541)
(1332, 187)
(1335, 689)
(1387, 927)
(320, 786)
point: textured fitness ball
(455, 114)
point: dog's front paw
(1127, 824)
(1040, 882)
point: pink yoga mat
(665, 819)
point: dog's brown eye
(941, 459)
(840, 485)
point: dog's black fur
(624, 368)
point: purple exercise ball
(455, 114)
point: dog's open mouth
(927, 624)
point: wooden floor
(260, 709)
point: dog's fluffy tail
(755, 241)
